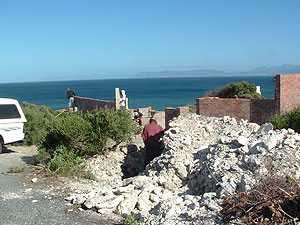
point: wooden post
(117, 98)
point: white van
(12, 121)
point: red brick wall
(219, 107)
(262, 110)
(287, 91)
(88, 104)
(170, 113)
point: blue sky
(59, 39)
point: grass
(17, 169)
(89, 176)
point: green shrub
(241, 89)
(288, 120)
(43, 157)
(130, 220)
(72, 136)
(65, 162)
(70, 131)
(38, 118)
(280, 121)
(110, 124)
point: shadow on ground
(7, 150)
(134, 161)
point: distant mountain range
(272, 70)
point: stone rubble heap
(204, 158)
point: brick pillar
(170, 113)
(277, 87)
(198, 106)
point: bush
(72, 136)
(70, 131)
(130, 220)
(64, 161)
(241, 89)
(288, 120)
(38, 118)
(110, 124)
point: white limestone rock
(127, 189)
(111, 203)
(203, 159)
(127, 206)
(265, 128)
(144, 204)
(242, 141)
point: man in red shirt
(151, 136)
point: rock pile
(204, 158)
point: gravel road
(24, 202)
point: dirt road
(24, 202)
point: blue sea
(156, 92)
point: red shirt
(151, 135)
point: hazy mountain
(264, 70)
(273, 70)
(188, 73)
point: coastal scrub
(241, 89)
(71, 137)
(38, 118)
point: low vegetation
(65, 139)
(130, 220)
(274, 199)
(288, 120)
(16, 169)
(192, 108)
(38, 118)
(241, 89)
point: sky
(69, 39)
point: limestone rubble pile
(204, 158)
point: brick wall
(262, 110)
(170, 113)
(219, 107)
(88, 104)
(287, 91)
(286, 98)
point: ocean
(156, 92)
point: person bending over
(151, 136)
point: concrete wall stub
(117, 98)
(258, 91)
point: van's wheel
(1, 146)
